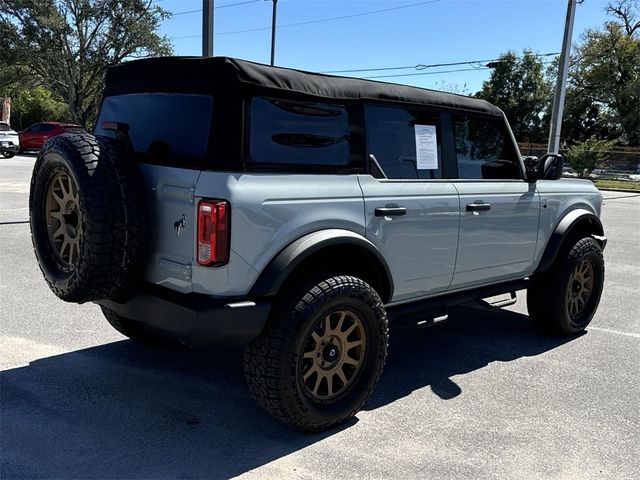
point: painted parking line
(616, 332)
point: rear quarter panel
(269, 211)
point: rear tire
(564, 299)
(8, 154)
(321, 353)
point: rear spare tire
(88, 214)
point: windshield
(4, 127)
(161, 124)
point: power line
(421, 66)
(320, 20)
(435, 73)
(175, 14)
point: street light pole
(207, 28)
(561, 82)
(273, 31)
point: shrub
(586, 156)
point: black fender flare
(280, 267)
(564, 228)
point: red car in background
(33, 138)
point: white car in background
(9, 142)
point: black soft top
(232, 76)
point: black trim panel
(277, 271)
(194, 319)
(564, 228)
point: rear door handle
(390, 211)
(478, 207)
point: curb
(619, 190)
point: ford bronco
(221, 200)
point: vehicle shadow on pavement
(122, 410)
(473, 337)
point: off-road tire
(548, 296)
(135, 330)
(271, 361)
(8, 154)
(112, 214)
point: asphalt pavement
(483, 396)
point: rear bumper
(194, 319)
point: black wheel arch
(578, 222)
(331, 249)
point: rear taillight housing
(212, 246)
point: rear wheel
(6, 154)
(565, 298)
(321, 354)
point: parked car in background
(9, 142)
(33, 138)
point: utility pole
(273, 31)
(207, 28)
(561, 82)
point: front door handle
(478, 207)
(390, 211)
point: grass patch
(618, 184)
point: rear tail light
(213, 232)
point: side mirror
(550, 166)
(547, 167)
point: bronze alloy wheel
(333, 355)
(580, 287)
(64, 222)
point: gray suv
(299, 214)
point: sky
(423, 33)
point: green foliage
(67, 45)
(586, 156)
(518, 86)
(31, 105)
(603, 97)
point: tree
(66, 45)
(604, 78)
(586, 156)
(518, 86)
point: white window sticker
(426, 147)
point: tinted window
(484, 149)
(74, 130)
(162, 124)
(298, 133)
(4, 127)
(35, 128)
(47, 127)
(392, 135)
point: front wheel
(564, 299)
(7, 154)
(321, 354)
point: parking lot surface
(482, 396)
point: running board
(501, 303)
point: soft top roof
(224, 74)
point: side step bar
(432, 311)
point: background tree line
(603, 88)
(54, 54)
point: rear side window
(165, 125)
(407, 143)
(74, 130)
(298, 133)
(484, 149)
